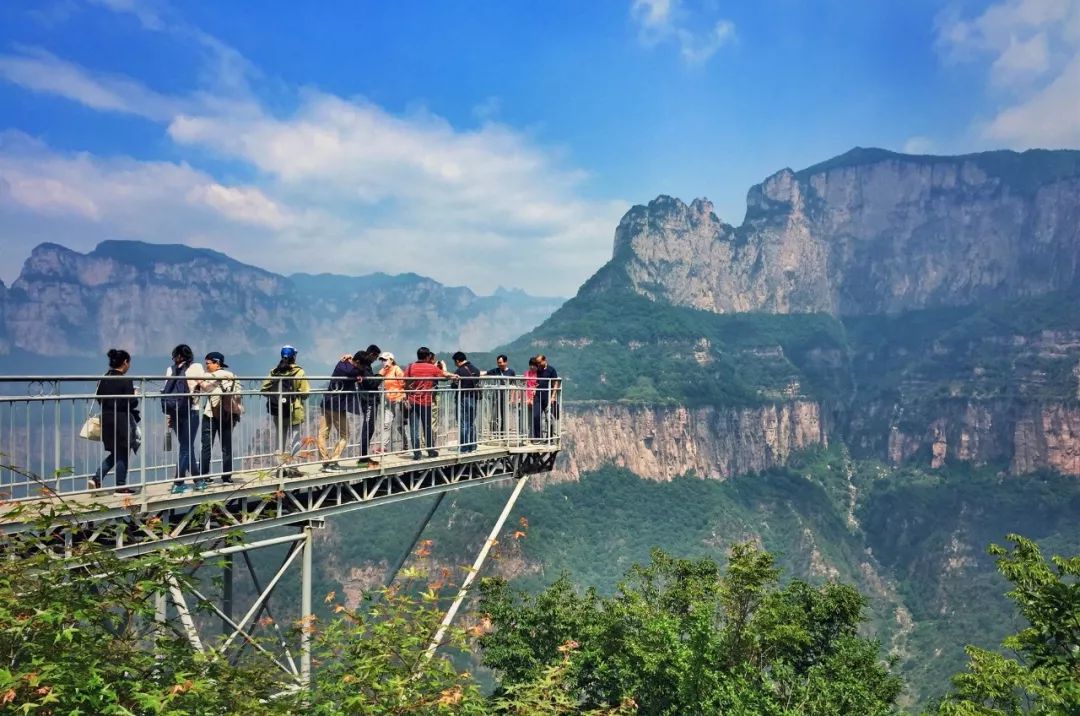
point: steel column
(477, 564)
(306, 617)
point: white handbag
(91, 429)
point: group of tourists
(204, 400)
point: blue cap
(288, 352)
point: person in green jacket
(287, 389)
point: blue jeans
(419, 419)
(111, 459)
(186, 425)
(467, 422)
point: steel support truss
(208, 518)
(215, 519)
(294, 660)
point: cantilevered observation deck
(283, 474)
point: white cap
(386, 355)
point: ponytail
(117, 357)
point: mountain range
(149, 297)
(874, 375)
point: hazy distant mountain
(148, 297)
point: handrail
(41, 418)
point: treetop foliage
(689, 637)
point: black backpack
(175, 395)
(279, 398)
(470, 375)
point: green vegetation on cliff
(622, 346)
(913, 541)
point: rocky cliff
(941, 331)
(149, 297)
(869, 232)
(662, 443)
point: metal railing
(280, 432)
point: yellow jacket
(300, 390)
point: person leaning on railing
(420, 379)
(119, 419)
(340, 400)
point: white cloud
(41, 71)
(336, 184)
(661, 21)
(244, 204)
(150, 13)
(1032, 51)
(1049, 118)
(1022, 59)
(919, 145)
(125, 195)
(651, 14)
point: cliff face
(147, 298)
(70, 304)
(948, 282)
(663, 443)
(866, 233)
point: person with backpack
(468, 380)
(180, 405)
(219, 416)
(119, 416)
(340, 400)
(287, 389)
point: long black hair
(183, 351)
(284, 366)
(117, 357)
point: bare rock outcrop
(869, 232)
(665, 442)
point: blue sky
(486, 143)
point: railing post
(306, 617)
(145, 417)
(226, 593)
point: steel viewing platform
(300, 453)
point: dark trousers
(539, 407)
(467, 422)
(119, 459)
(211, 428)
(419, 420)
(367, 410)
(186, 425)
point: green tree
(372, 659)
(78, 636)
(1044, 675)
(688, 637)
